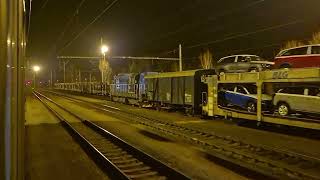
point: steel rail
(99, 158)
(156, 165)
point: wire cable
(238, 36)
(246, 34)
(86, 28)
(61, 35)
(44, 4)
(29, 20)
(223, 14)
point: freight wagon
(177, 90)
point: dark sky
(156, 27)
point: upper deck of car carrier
(279, 75)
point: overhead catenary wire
(246, 34)
(61, 35)
(276, 44)
(88, 25)
(29, 20)
(239, 35)
(118, 57)
(223, 14)
(44, 4)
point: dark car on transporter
(244, 97)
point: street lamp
(35, 69)
(104, 50)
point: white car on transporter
(242, 63)
(301, 99)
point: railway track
(118, 158)
(269, 161)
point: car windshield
(252, 89)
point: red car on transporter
(298, 57)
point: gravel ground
(50, 152)
(183, 157)
(226, 128)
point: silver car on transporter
(242, 63)
(302, 99)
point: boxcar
(177, 90)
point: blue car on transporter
(244, 97)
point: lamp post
(104, 50)
(36, 69)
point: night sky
(155, 28)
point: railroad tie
(125, 161)
(123, 166)
(152, 173)
(144, 168)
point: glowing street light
(35, 69)
(104, 49)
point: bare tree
(105, 67)
(315, 38)
(206, 59)
(292, 44)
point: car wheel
(254, 70)
(221, 72)
(283, 109)
(251, 107)
(284, 66)
(223, 102)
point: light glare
(104, 49)
(36, 68)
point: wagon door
(177, 90)
(189, 90)
(165, 90)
